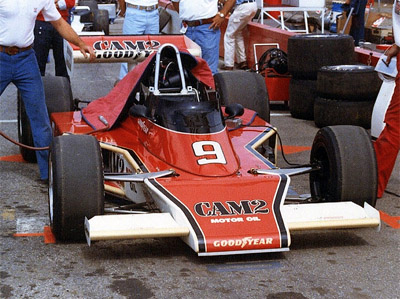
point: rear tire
(101, 21)
(164, 18)
(58, 95)
(76, 185)
(25, 132)
(91, 3)
(245, 88)
(348, 166)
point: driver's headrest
(188, 61)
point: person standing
(357, 27)
(387, 145)
(47, 37)
(201, 22)
(141, 17)
(18, 63)
(233, 39)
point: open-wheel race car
(169, 154)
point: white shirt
(17, 20)
(191, 10)
(142, 2)
(396, 21)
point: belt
(198, 22)
(140, 7)
(248, 1)
(13, 50)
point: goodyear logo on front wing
(231, 208)
(244, 242)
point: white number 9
(200, 149)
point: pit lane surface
(360, 263)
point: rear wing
(131, 49)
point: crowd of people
(42, 24)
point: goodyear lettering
(244, 242)
(231, 208)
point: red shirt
(64, 13)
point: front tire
(76, 185)
(348, 166)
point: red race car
(167, 153)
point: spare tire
(307, 53)
(302, 95)
(348, 83)
(333, 112)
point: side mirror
(138, 111)
(234, 110)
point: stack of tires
(346, 95)
(99, 17)
(307, 53)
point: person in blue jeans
(18, 63)
(201, 22)
(358, 19)
(46, 38)
(141, 17)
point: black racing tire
(348, 83)
(348, 166)
(307, 53)
(101, 21)
(58, 95)
(24, 132)
(164, 18)
(245, 88)
(76, 185)
(333, 112)
(302, 94)
(91, 3)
